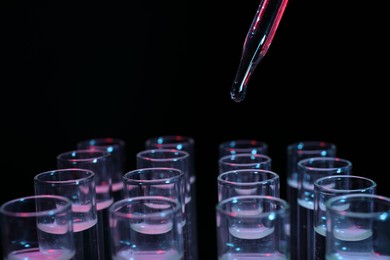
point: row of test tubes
(108, 219)
(329, 213)
(91, 207)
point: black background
(166, 67)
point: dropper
(256, 44)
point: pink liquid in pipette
(256, 44)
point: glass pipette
(256, 44)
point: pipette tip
(237, 93)
(237, 96)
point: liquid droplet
(237, 93)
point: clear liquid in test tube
(256, 44)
